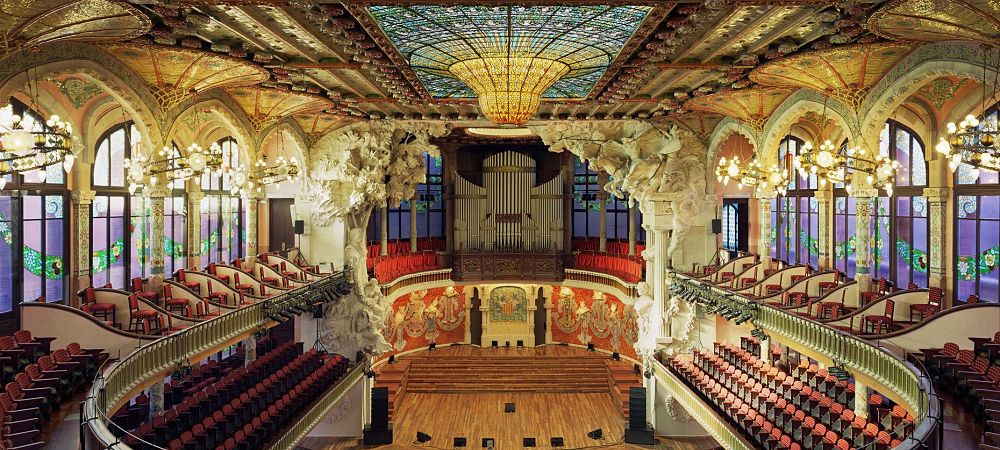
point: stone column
(765, 228)
(632, 231)
(602, 197)
(824, 202)
(156, 399)
(937, 202)
(250, 350)
(467, 305)
(860, 400)
(81, 201)
(863, 255)
(253, 208)
(193, 224)
(413, 223)
(383, 249)
(650, 383)
(658, 213)
(157, 254)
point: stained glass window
(8, 256)
(977, 231)
(118, 225)
(430, 200)
(586, 203)
(222, 214)
(108, 241)
(796, 217)
(586, 37)
(173, 233)
(730, 226)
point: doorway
(281, 234)
(735, 225)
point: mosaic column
(632, 231)
(824, 202)
(253, 207)
(156, 399)
(937, 201)
(249, 350)
(764, 220)
(602, 197)
(81, 201)
(860, 400)
(157, 253)
(194, 228)
(863, 251)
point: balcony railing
(150, 362)
(904, 381)
(728, 437)
(309, 419)
(628, 290)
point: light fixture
(972, 141)
(509, 88)
(29, 147)
(243, 182)
(832, 165)
(144, 172)
(752, 174)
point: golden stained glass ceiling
(29, 23)
(930, 21)
(266, 106)
(845, 73)
(176, 73)
(433, 38)
(751, 106)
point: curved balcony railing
(115, 385)
(429, 276)
(904, 382)
(627, 290)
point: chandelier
(972, 141)
(834, 165)
(261, 175)
(752, 174)
(26, 146)
(144, 172)
(509, 88)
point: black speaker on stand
(638, 431)
(717, 226)
(380, 430)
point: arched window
(977, 230)
(33, 231)
(909, 230)
(118, 223)
(222, 214)
(795, 215)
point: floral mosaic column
(764, 218)
(194, 228)
(937, 201)
(157, 253)
(863, 251)
(81, 228)
(824, 201)
(253, 208)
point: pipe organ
(509, 212)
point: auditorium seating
(628, 269)
(390, 268)
(777, 410)
(611, 247)
(972, 376)
(226, 406)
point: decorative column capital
(864, 193)
(159, 192)
(761, 194)
(195, 196)
(824, 196)
(83, 197)
(937, 194)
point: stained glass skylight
(432, 38)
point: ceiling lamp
(509, 89)
(834, 165)
(261, 175)
(143, 172)
(752, 174)
(26, 146)
(972, 141)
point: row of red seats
(972, 376)
(403, 247)
(391, 268)
(610, 246)
(218, 394)
(629, 270)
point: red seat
(104, 310)
(140, 319)
(885, 320)
(137, 289)
(175, 304)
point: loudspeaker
(380, 408)
(317, 312)
(590, 346)
(615, 356)
(300, 226)
(717, 226)
(494, 344)
(638, 432)
(520, 344)
(556, 442)
(460, 442)
(392, 359)
(488, 443)
(423, 437)
(508, 407)
(528, 442)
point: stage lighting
(557, 442)
(423, 437)
(590, 346)
(432, 346)
(839, 372)
(596, 435)
(759, 334)
(460, 442)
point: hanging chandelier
(752, 174)
(143, 172)
(261, 175)
(27, 147)
(972, 141)
(833, 165)
(509, 88)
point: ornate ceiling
(929, 21)
(30, 23)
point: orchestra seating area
(806, 409)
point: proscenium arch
(916, 70)
(90, 63)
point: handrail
(629, 290)
(859, 356)
(112, 387)
(711, 421)
(306, 421)
(410, 279)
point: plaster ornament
(676, 411)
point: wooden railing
(149, 363)
(905, 382)
(430, 276)
(727, 436)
